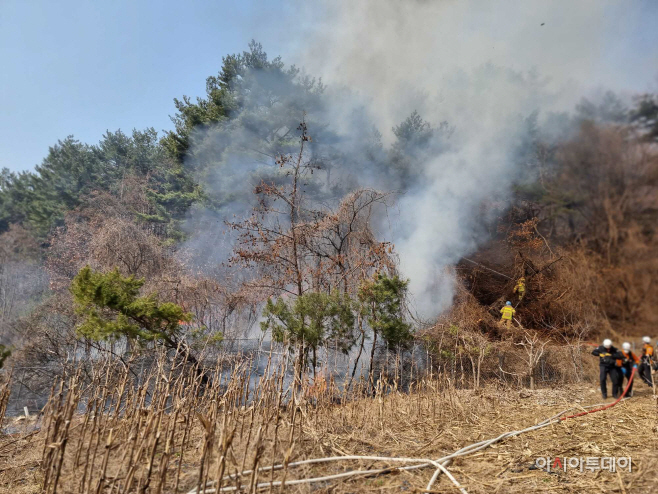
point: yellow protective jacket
(520, 287)
(507, 312)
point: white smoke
(482, 66)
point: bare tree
(534, 349)
(292, 245)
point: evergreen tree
(39, 200)
(311, 321)
(610, 109)
(246, 82)
(416, 141)
(247, 118)
(645, 116)
(111, 307)
(382, 301)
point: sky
(81, 68)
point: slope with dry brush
(173, 434)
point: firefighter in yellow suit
(520, 288)
(507, 313)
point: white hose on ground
(437, 472)
(422, 462)
(350, 473)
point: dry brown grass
(173, 434)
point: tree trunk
(356, 362)
(372, 358)
(299, 366)
(480, 359)
(473, 371)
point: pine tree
(382, 301)
(111, 307)
(311, 321)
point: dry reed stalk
(253, 480)
(5, 391)
(164, 461)
(99, 423)
(286, 461)
(277, 422)
(226, 441)
(148, 428)
(59, 433)
(208, 423)
(187, 414)
(252, 413)
(106, 457)
(145, 482)
(141, 449)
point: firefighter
(626, 365)
(608, 356)
(646, 361)
(507, 313)
(520, 288)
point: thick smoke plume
(478, 73)
(484, 67)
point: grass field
(175, 434)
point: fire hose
(440, 464)
(610, 405)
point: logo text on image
(582, 464)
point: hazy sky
(82, 67)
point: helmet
(508, 303)
(626, 346)
(607, 343)
(646, 339)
